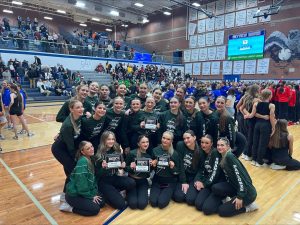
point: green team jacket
(131, 158)
(209, 171)
(209, 125)
(82, 180)
(167, 172)
(229, 131)
(65, 111)
(237, 175)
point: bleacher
(101, 78)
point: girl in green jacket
(82, 193)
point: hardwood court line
(276, 203)
(111, 215)
(31, 164)
(112, 218)
(36, 118)
(30, 195)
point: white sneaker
(253, 163)
(247, 158)
(2, 137)
(65, 207)
(227, 199)
(63, 197)
(22, 132)
(277, 167)
(252, 207)
(262, 165)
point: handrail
(70, 49)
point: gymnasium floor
(31, 181)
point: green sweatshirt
(131, 158)
(143, 100)
(82, 180)
(106, 101)
(237, 175)
(161, 106)
(167, 172)
(191, 121)
(229, 130)
(65, 111)
(210, 125)
(92, 101)
(127, 101)
(149, 115)
(186, 155)
(209, 171)
(68, 136)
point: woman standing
(230, 100)
(161, 104)
(81, 94)
(281, 145)
(3, 120)
(167, 166)
(82, 192)
(6, 102)
(104, 95)
(190, 113)
(16, 108)
(238, 186)
(109, 183)
(138, 196)
(64, 147)
(283, 94)
(142, 95)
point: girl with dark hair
(283, 94)
(281, 145)
(189, 153)
(208, 174)
(82, 192)
(142, 95)
(109, 183)
(64, 147)
(180, 94)
(167, 166)
(190, 113)
(92, 96)
(16, 108)
(104, 95)
(173, 120)
(81, 94)
(138, 196)
(238, 186)
(161, 104)
(226, 124)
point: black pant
(241, 123)
(240, 144)
(60, 152)
(261, 138)
(137, 197)
(110, 187)
(292, 114)
(283, 110)
(207, 201)
(282, 157)
(84, 206)
(227, 209)
(249, 125)
(161, 193)
(297, 112)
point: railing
(54, 47)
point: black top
(16, 107)
(263, 109)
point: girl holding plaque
(138, 165)
(238, 186)
(82, 193)
(161, 104)
(166, 162)
(108, 161)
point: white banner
(219, 22)
(196, 68)
(201, 26)
(240, 18)
(219, 37)
(210, 24)
(201, 40)
(263, 66)
(250, 14)
(193, 14)
(211, 7)
(215, 68)
(211, 53)
(262, 19)
(220, 7)
(210, 39)
(202, 54)
(202, 15)
(193, 41)
(206, 68)
(240, 4)
(230, 5)
(250, 67)
(238, 67)
(251, 3)
(221, 52)
(188, 68)
(227, 67)
(194, 56)
(229, 20)
(192, 28)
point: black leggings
(227, 209)
(241, 123)
(261, 138)
(283, 110)
(137, 197)
(161, 193)
(60, 152)
(249, 124)
(240, 144)
(110, 187)
(207, 201)
(84, 206)
(282, 157)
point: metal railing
(69, 49)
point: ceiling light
(7, 11)
(80, 4)
(145, 20)
(61, 11)
(107, 29)
(17, 3)
(167, 13)
(96, 19)
(48, 18)
(124, 25)
(196, 4)
(138, 4)
(114, 13)
(82, 24)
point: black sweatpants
(161, 193)
(292, 114)
(137, 197)
(240, 144)
(227, 209)
(261, 138)
(249, 125)
(241, 123)
(110, 187)
(180, 196)
(84, 206)
(297, 112)
(207, 201)
(283, 110)
(60, 152)
(282, 157)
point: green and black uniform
(192, 121)
(106, 101)
(161, 106)
(65, 111)
(229, 130)
(136, 96)
(92, 100)
(133, 127)
(210, 125)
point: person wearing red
(283, 94)
(292, 106)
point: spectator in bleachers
(6, 75)
(5, 21)
(42, 87)
(32, 75)
(20, 73)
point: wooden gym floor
(31, 181)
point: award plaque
(150, 124)
(163, 160)
(113, 161)
(142, 165)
